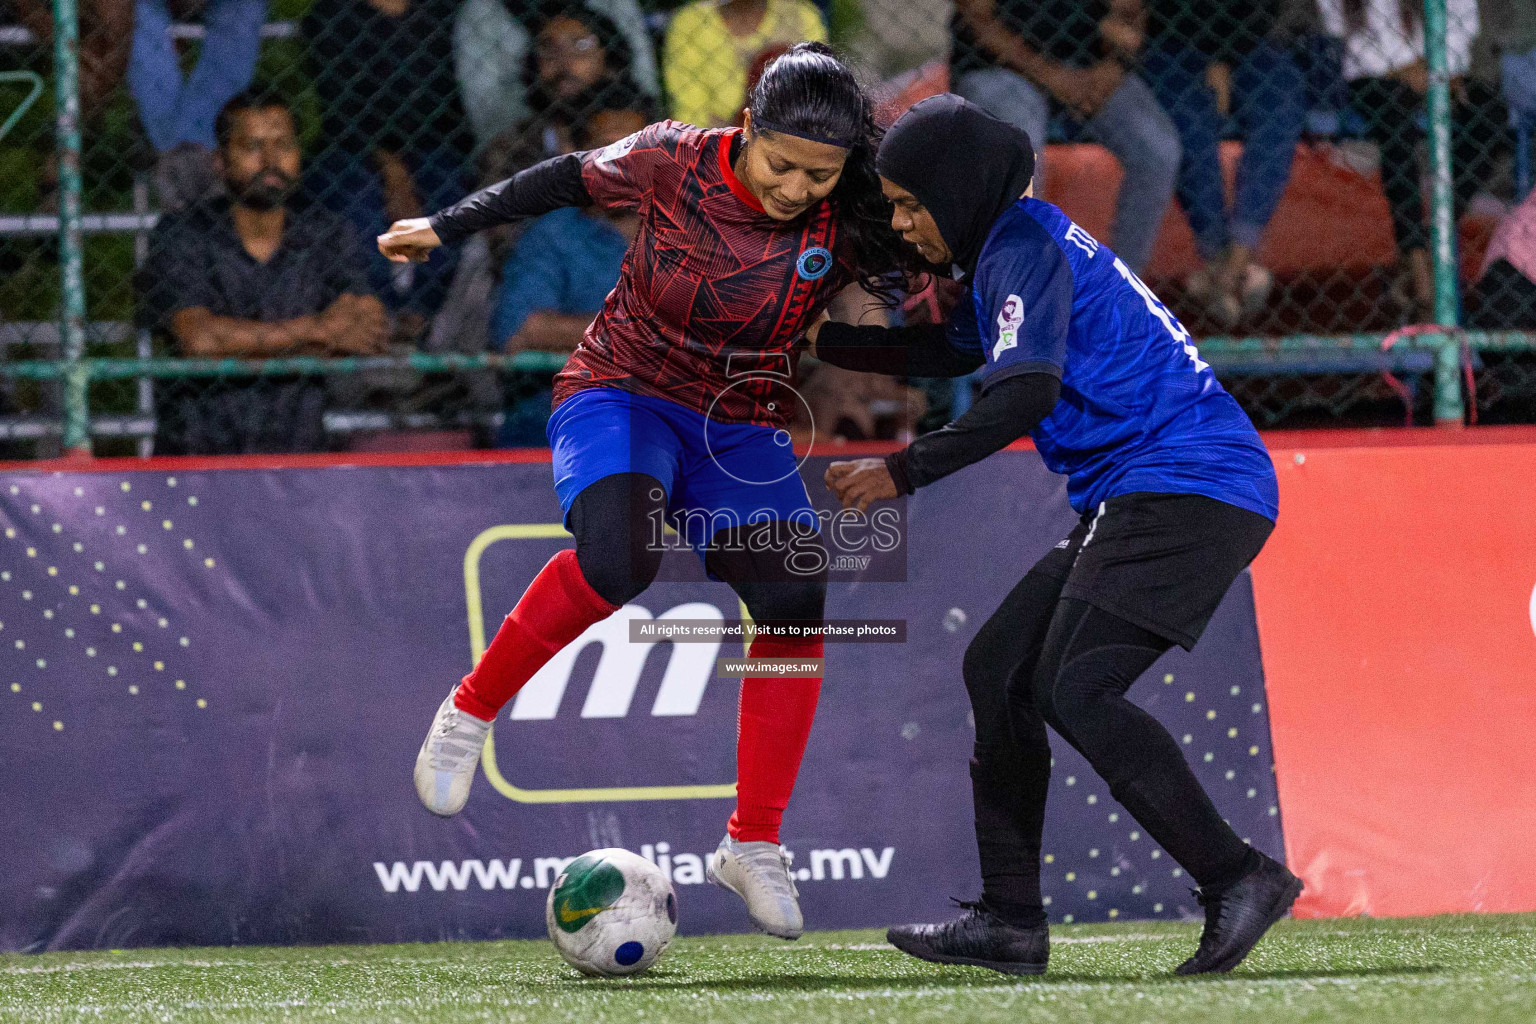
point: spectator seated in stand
(178, 111)
(711, 47)
(1209, 59)
(491, 44)
(1388, 76)
(1504, 297)
(1017, 59)
(396, 142)
(562, 268)
(578, 54)
(249, 275)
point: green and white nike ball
(611, 913)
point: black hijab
(964, 165)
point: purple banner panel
(214, 684)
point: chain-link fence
(1300, 180)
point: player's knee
(983, 666)
(986, 673)
(618, 570)
(786, 601)
(1079, 687)
(1040, 687)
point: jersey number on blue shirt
(1156, 308)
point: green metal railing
(31, 78)
(66, 75)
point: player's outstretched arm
(1007, 411)
(533, 192)
(920, 350)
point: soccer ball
(611, 913)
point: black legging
(1391, 110)
(1043, 659)
(618, 523)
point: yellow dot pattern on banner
(57, 544)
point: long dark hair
(808, 92)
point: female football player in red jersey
(675, 405)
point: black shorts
(1160, 561)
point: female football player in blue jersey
(674, 407)
(1177, 495)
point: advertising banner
(215, 682)
(1398, 609)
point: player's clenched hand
(409, 241)
(860, 482)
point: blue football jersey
(1139, 409)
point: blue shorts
(716, 475)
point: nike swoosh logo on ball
(568, 915)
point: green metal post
(1449, 409)
(66, 75)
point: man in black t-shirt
(245, 276)
(1017, 59)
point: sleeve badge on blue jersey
(1008, 322)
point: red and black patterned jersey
(714, 295)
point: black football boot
(979, 938)
(1237, 917)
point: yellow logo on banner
(477, 644)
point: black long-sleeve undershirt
(546, 186)
(920, 350)
(1005, 412)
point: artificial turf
(1444, 970)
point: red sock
(773, 725)
(556, 608)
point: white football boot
(759, 873)
(446, 764)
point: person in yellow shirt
(711, 45)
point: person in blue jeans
(1025, 60)
(178, 111)
(1209, 57)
